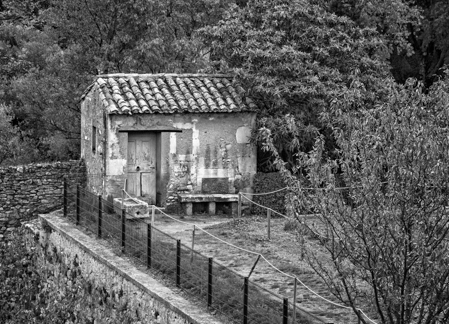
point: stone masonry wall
(104, 287)
(27, 190)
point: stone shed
(168, 138)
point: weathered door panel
(148, 180)
(131, 154)
(133, 183)
(142, 165)
(147, 156)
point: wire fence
(222, 290)
(270, 211)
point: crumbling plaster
(93, 115)
(209, 146)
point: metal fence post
(64, 200)
(285, 312)
(149, 239)
(295, 288)
(77, 204)
(193, 244)
(100, 216)
(239, 209)
(178, 263)
(153, 212)
(209, 283)
(245, 301)
(123, 230)
(269, 223)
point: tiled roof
(170, 93)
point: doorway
(142, 165)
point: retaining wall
(111, 289)
(27, 190)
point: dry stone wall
(27, 190)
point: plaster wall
(212, 146)
(94, 118)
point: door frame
(145, 142)
(161, 155)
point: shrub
(268, 182)
(37, 287)
(19, 281)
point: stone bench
(188, 200)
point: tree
(429, 42)
(14, 145)
(133, 35)
(7, 134)
(51, 49)
(386, 233)
(28, 87)
(415, 32)
(295, 58)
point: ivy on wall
(38, 285)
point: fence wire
(218, 287)
(215, 285)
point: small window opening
(94, 139)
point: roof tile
(171, 93)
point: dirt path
(282, 251)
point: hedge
(268, 182)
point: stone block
(134, 207)
(189, 208)
(234, 208)
(211, 208)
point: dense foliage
(27, 295)
(38, 286)
(415, 32)
(383, 205)
(51, 49)
(269, 182)
(294, 56)
(335, 108)
(19, 282)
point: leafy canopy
(51, 49)
(295, 58)
(414, 30)
(385, 233)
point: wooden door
(142, 165)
